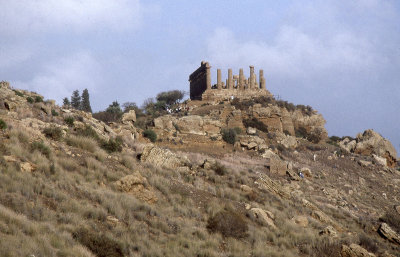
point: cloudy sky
(340, 56)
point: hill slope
(70, 187)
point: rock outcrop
(387, 232)
(370, 143)
(163, 157)
(136, 185)
(354, 250)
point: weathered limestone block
(387, 232)
(355, 250)
(129, 117)
(263, 217)
(163, 157)
(137, 185)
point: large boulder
(263, 217)
(129, 117)
(370, 142)
(163, 157)
(355, 250)
(136, 185)
(387, 232)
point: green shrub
(88, 131)
(41, 147)
(30, 100)
(101, 245)
(219, 169)
(229, 223)
(54, 133)
(54, 112)
(69, 121)
(301, 132)
(150, 134)
(229, 136)
(38, 99)
(238, 130)
(255, 123)
(112, 145)
(3, 124)
(18, 93)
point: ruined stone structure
(235, 85)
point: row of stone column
(239, 81)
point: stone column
(208, 75)
(252, 79)
(262, 80)
(229, 84)
(241, 79)
(219, 83)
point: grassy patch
(54, 133)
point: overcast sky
(340, 56)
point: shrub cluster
(150, 134)
(255, 123)
(112, 145)
(100, 244)
(38, 99)
(30, 100)
(229, 135)
(392, 218)
(3, 124)
(229, 223)
(54, 112)
(18, 93)
(219, 169)
(69, 121)
(41, 147)
(54, 133)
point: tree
(66, 102)
(170, 97)
(114, 108)
(76, 100)
(132, 106)
(85, 103)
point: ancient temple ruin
(234, 86)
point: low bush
(54, 112)
(150, 134)
(38, 99)
(255, 123)
(229, 136)
(301, 132)
(229, 223)
(88, 131)
(325, 248)
(18, 93)
(69, 121)
(54, 133)
(41, 147)
(219, 169)
(368, 243)
(3, 124)
(30, 100)
(100, 244)
(112, 145)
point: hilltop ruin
(235, 86)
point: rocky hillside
(233, 178)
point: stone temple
(234, 86)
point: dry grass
(84, 143)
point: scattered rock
(355, 250)
(246, 189)
(329, 230)
(301, 220)
(112, 220)
(10, 158)
(307, 172)
(137, 185)
(379, 160)
(251, 131)
(397, 209)
(363, 163)
(28, 167)
(262, 217)
(387, 232)
(129, 117)
(163, 157)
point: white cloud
(27, 16)
(60, 77)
